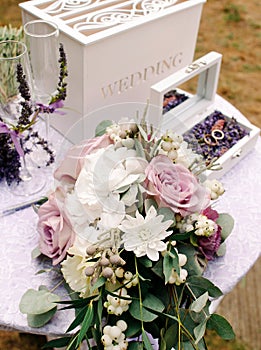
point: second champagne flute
(41, 38)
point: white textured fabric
(18, 238)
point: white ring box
(198, 106)
(116, 50)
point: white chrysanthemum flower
(144, 235)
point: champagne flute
(41, 38)
(13, 54)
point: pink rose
(56, 233)
(71, 165)
(174, 186)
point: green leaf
(36, 321)
(222, 249)
(170, 261)
(146, 341)
(85, 324)
(195, 265)
(221, 326)
(148, 203)
(78, 320)
(139, 149)
(199, 303)
(100, 282)
(141, 313)
(199, 331)
(227, 223)
(168, 214)
(35, 302)
(180, 236)
(145, 261)
(35, 253)
(101, 127)
(171, 336)
(57, 343)
(135, 345)
(134, 328)
(200, 285)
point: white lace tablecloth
(18, 238)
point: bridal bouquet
(130, 229)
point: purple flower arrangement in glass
(215, 135)
(10, 135)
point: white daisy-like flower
(145, 235)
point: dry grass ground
(231, 27)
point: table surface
(19, 237)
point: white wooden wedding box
(198, 106)
(117, 49)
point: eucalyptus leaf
(101, 127)
(227, 223)
(35, 253)
(199, 303)
(36, 321)
(134, 328)
(188, 346)
(221, 326)
(148, 203)
(145, 261)
(141, 313)
(195, 265)
(168, 214)
(222, 249)
(170, 261)
(171, 336)
(200, 284)
(35, 302)
(199, 331)
(135, 345)
(146, 341)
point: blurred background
(231, 27)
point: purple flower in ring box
(174, 186)
(54, 228)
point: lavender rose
(56, 233)
(70, 167)
(174, 186)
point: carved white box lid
(90, 20)
(116, 50)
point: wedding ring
(210, 140)
(217, 134)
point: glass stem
(47, 126)
(24, 174)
